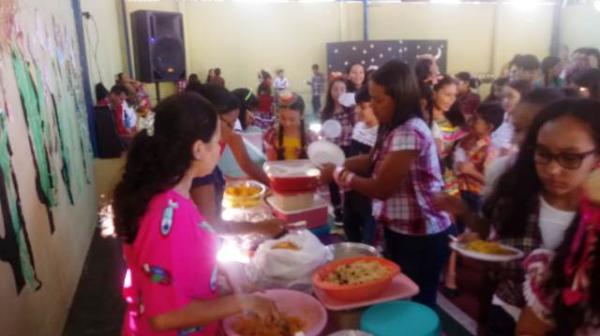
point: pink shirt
(171, 262)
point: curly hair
(157, 162)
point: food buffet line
(336, 289)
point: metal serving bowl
(349, 250)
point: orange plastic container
(358, 292)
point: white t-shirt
(129, 116)
(280, 84)
(365, 135)
(502, 137)
(553, 224)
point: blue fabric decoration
(167, 220)
(157, 274)
(189, 331)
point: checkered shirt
(347, 119)
(317, 84)
(410, 210)
(511, 275)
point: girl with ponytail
(169, 248)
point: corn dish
(358, 272)
(487, 247)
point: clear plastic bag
(286, 268)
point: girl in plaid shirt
(401, 176)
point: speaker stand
(157, 88)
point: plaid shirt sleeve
(511, 275)
(405, 139)
(346, 117)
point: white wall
(241, 38)
(580, 27)
(52, 50)
(105, 42)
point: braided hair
(294, 102)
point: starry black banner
(340, 55)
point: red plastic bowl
(292, 176)
(354, 293)
(287, 185)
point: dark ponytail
(303, 154)
(248, 102)
(464, 76)
(280, 151)
(157, 162)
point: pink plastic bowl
(293, 303)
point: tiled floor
(98, 307)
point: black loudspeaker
(158, 46)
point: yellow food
(242, 195)
(286, 245)
(242, 191)
(254, 326)
(487, 247)
(356, 273)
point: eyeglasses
(569, 161)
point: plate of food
(487, 251)
(301, 314)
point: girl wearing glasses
(534, 202)
(561, 286)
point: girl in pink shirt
(170, 250)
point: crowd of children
(427, 158)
